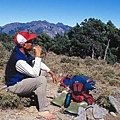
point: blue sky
(69, 12)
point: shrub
(10, 100)
(103, 99)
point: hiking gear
(66, 81)
(79, 94)
(73, 108)
(59, 101)
(22, 37)
(88, 82)
(67, 99)
(77, 88)
(88, 98)
(77, 98)
(80, 86)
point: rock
(113, 114)
(115, 103)
(90, 114)
(99, 112)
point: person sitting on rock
(23, 77)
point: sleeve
(44, 67)
(23, 67)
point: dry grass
(97, 69)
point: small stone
(113, 114)
(101, 119)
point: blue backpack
(87, 82)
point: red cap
(22, 37)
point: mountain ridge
(36, 26)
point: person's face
(28, 45)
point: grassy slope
(97, 69)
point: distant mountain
(36, 26)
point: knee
(42, 80)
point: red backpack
(79, 95)
(77, 89)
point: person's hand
(55, 79)
(37, 51)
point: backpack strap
(88, 98)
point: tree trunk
(106, 49)
(93, 52)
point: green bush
(103, 100)
(10, 100)
(25, 101)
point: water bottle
(67, 99)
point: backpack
(68, 81)
(79, 94)
(80, 86)
(77, 89)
